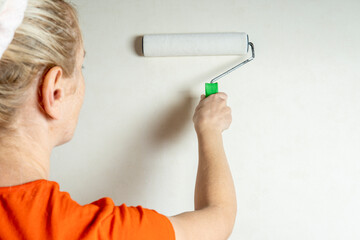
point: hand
(212, 114)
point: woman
(41, 93)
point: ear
(52, 92)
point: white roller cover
(195, 44)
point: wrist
(209, 134)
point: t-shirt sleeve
(137, 223)
(106, 221)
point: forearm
(215, 199)
(214, 183)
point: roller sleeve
(195, 44)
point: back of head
(48, 36)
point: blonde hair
(48, 36)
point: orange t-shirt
(39, 210)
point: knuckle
(223, 95)
(220, 98)
(220, 95)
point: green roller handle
(211, 88)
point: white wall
(294, 143)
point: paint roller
(199, 44)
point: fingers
(219, 94)
(222, 95)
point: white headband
(11, 16)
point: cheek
(80, 94)
(82, 88)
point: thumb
(202, 97)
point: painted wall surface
(293, 145)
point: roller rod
(237, 66)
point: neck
(24, 158)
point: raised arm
(215, 198)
